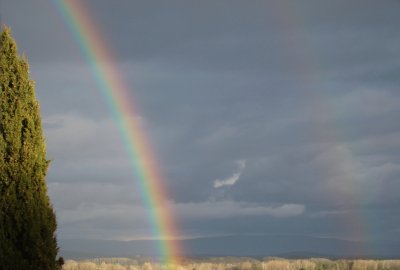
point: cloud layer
(271, 117)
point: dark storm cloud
(257, 37)
(38, 30)
(305, 94)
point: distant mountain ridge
(287, 246)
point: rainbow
(306, 63)
(119, 100)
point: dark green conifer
(27, 220)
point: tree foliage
(27, 219)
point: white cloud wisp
(233, 178)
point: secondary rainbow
(305, 61)
(120, 102)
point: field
(234, 264)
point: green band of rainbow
(119, 101)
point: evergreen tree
(27, 220)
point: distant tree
(60, 263)
(27, 219)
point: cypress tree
(27, 219)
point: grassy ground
(234, 264)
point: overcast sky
(266, 117)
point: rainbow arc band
(119, 100)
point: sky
(265, 117)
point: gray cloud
(225, 209)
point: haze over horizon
(266, 117)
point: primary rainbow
(119, 100)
